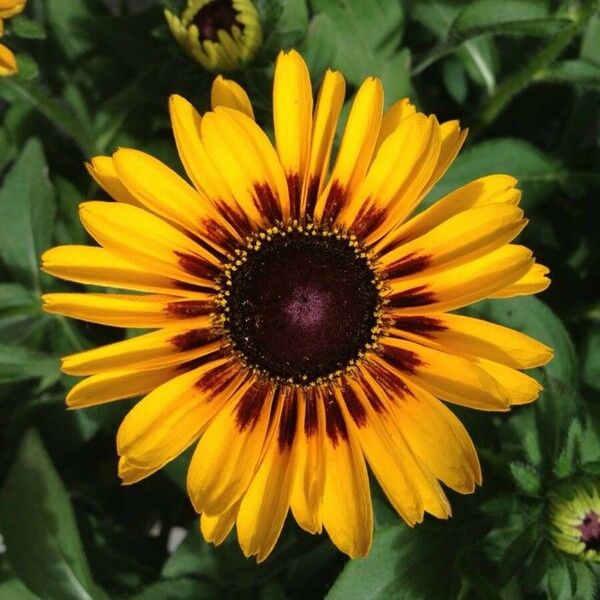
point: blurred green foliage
(524, 75)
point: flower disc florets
(301, 302)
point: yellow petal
(447, 376)
(130, 474)
(228, 454)
(143, 238)
(449, 288)
(356, 150)
(8, 62)
(171, 417)
(216, 529)
(117, 385)
(201, 170)
(166, 194)
(327, 112)
(472, 337)
(392, 118)
(225, 92)
(533, 282)
(486, 190)
(307, 491)
(245, 158)
(465, 236)
(10, 8)
(452, 138)
(409, 486)
(166, 347)
(97, 266)
(292, 118)
(452, 458)
(395, 180)
(102, 169)
(128, 310)
(347, 510)
(516, 386)
(265, 504)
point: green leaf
(39, 528)
(455, 79)
(533, 317)
(7, 148)
(521, 547)
(558, 582)
(531, 445)
(586, 578)
(68, 21)
(395, 77)
(401, 562)
(434, 15)
(462, 29)
(593, 468)
(293, 21)
(574, 72)
(16, 299)
(28, 67)
(20, 364)
(589, 444)
(176, 589)
(538, 174)
(591, 358)
(20, 315)
(565, 462)
(27, 210)
(590, 44)
(526, 477)
(319, 46)
(23, 27)
(366, 34)
(58, 112)
(555, 410)
(68, 227)
(375, 576)
(511, 17)
(14, 589)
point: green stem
(533, 69)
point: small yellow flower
(220, 34)
(576, 522)
(8, 63)
(301, 309)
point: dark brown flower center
(216, 15)
(590, 531)
(302, 306)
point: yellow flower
(8, 63)
(575, 521)
(220, 34)
(301, 310)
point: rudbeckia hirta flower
(221, 35)
(301, 310)
(575, 518)
(8, 62)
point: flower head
(575, 521)
(301, 310)
(8, 63)
(220, 34)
